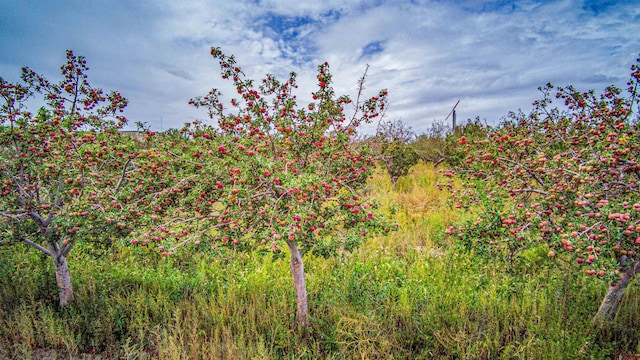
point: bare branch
(360, 90)
(530, 191)
(36, 246)
(124, 174)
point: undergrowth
(408, 295)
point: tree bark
(297, 272)
(609, 306)
(63, 279)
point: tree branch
(124, 174)
(66, 248)
(360, 90)
(36, 246)
(530, 191)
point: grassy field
(409, 295)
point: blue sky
(490, 55)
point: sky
(490, 55)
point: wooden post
(453, 121)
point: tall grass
(408, 295)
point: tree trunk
(63, 279)
(609, 306)
(297, 272)
(59, 257)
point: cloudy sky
(490, 55)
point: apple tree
(396, 153)
(431, 146)
(564, 178)
(271, 173)
(63, 167)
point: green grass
(409, 295)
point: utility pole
(452, 113)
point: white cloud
(492, 55)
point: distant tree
(431, 146)
(396, 154)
